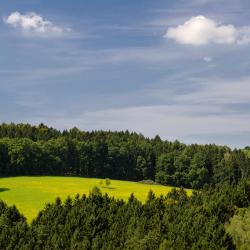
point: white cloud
(200, 30)
(207, 59)
(32, 23)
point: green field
(30, 194)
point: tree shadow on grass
(4, 189)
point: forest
(215, 216)
(40, 150)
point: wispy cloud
(219, 91)
(170, 121)
(205, 112)
(34, 24)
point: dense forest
(40, 150)
(215, 216)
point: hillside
(210, 218)
(30, 194)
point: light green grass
(30, 194)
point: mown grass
(30, 194)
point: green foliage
(95, 191)
(239, 229)
(107, 182)
(13, 228)
(247, 151)
(175, 221)
(40, 150)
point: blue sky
(180, 69)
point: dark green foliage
(39, 150)
(100, 222)
(14, 231)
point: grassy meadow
(30, 194)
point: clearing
(30, 194)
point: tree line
(40, 150)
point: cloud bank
(213, 114)
(200, 30)
(33, 23)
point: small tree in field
(107, 182)
(95, 191)
(101, 182)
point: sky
(179, 69)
